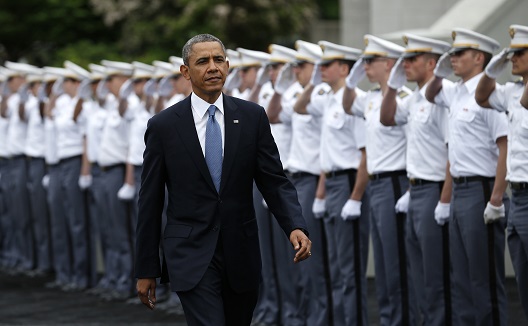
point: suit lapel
(187, 131)
(232, 136)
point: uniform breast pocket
(335, 119)
(422, 114)
(466, 115)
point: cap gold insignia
(453, 35)
(405, 40)
(321, 92)
(512, 32)
(366, 41)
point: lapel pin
(235, 121)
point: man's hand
(356, 74)
(441, 213)
(443, 66)
(319, 208)
(397, 75)
(351, 210)
(146, 289)
(493, 213)
(402, 205)
(301, 244)
(497, 64)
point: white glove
(356, 74)
(493, 213)
(23, 93)
(264, 203)
(441, 213)
(319, 208)
(45, 181)
(150, 87)
(126, 89)
(85, 181)
(127, 192)
(397, 75)
(85, 90)
(41, 92)
(402, 205)
(497, 64)
(233, 80)
(443, 66)
(263, 75)
(317, 75)
(351, 210)
(57, 88)
(165, 87)
(285, 79)
(102, 90)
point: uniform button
(215, 228)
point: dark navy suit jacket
(196, 212)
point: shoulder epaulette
(321, 92)
(375, 89)
(518, 80)
(403, 94)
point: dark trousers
(213, 302)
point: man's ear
(185, 72)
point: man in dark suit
(208, 149)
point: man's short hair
(200, 38)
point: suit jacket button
(215, 228)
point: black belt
(336, 173)
(421, 182)
(111, 167)
(471, 179)
(71, 158)
(382, 175)
(519, 185)
(300, 174)
(34, 158)
(16, 157)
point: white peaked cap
(142, 70)
(519, 38)
(415, 45)
(467, 39)
(332, 51)
(9, 72)
(377, 47)
(60, 72)
(177, 62)
(117, 68)
(307, 51)
(76, 69)
(97, 72)
(281, 54)
(22, 68)
(163, 69)
(234, 58)
(253, 58)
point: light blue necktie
(213, 147)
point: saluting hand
(301, 244)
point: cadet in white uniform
(428, 242)
(506, 98)
(6, 235)
(250, 62)
(477, 156)
(386, 165)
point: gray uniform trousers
(39, 212)
(269, 303)
(518, 241)
(428, 251)
(119, 269)
(60, 238)
(394, 288)
(100, 222)
(7, 240)
(317, 268)
(348, 257)
(477, 256)
(75, 208)
(21, 214)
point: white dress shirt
(201, 116)
(16, 133)
(507, 98)
(35, 129)
(386, 145)
(95, 117)
(50, 149)
(69, 133)
(473, 130)
(4, 126)
(138, 126)
(426, 136)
